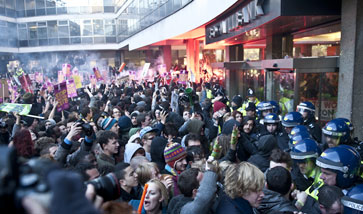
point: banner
(97, 74)
(145, 69)
(60, 91)
(49, 86)
(22, 109)
(183, 77)
(61, 77)
(71, 88)
(77, 81)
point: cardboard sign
(39, 77)
(22, 109)
(60, 91)
(77, 81)
(145, 69)
(32, 76)
(61, 77)
(71, 88)
(25, 84)
(97, 74)
(174, 102)
(4, 89)
(66, 68)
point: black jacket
(265, 145)
(233, 206)
(313, 127)
(177, 203)
(274, 202)
(246, 146)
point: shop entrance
(295, 80)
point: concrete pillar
(350, 91)
(166, 53)
(236, 52)
(273, 47)
(193, 58)
(287, 45)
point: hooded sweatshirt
(130, 150)
(265, 145)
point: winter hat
(124, 123)
(194, 126)
(251, 106)
(130, 150)
(28, 97)
(228, 126)
(174, 152)
(133, 131)
(237, 99)
(107, 123)
(141, 104)
(218, 105)
(146, 130)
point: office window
(63, 31)
(98, 27)
(74, 28)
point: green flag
(21, 109)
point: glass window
(3, 24)
(283, 90)
(61, 10)
(87, 22)
(42, 24)
(52, 29)
(76, 40)
(53, 41)
(87, 40)
(64, 41)
(50, 3)
(43, 42)
(30, 4)
(23, 34)
(98, 27)
(42, 33)
(255, 80)
(63, 22)
(110, 30)
(63, 31)
(33, 33)
(10, 4)
(40, 4)
(86, 30)
(75, 29)
(33, 43)
(99, 40)
(329, 97)
(73, 10)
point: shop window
(253, 79)
(282, 90)
(251, 54)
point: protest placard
(61, 76)
(77, 81)
(21, 109)
(60, 91)
(66, 68)
(97, 74)
(145, 69)
(4, 89)
(71, 88)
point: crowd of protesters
(130, 148)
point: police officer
(237, 103)
(353, 201)
(339, 167)
(307, 109)
(336, 132)
(263, 108)
(251, 98)
(289, 121)
(272, 125)
(305, 174)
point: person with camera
(63, 155)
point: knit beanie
(174, 152)
(194, 126)
(237, 99)
(218, 105)
(107, 123)
(133, 131)
(124, 123)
